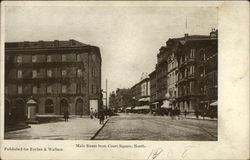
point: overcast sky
(129, 38)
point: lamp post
(133, 103)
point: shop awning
(214, 103)
(128, 108)
(165, 104)
(141, 107)
(155, 103)
(144, 99)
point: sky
(129, 38)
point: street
(123, 127)
(146, 127)
(74, 129)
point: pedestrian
(185, 113)
(171, 113)
(101, 117)
(178, 113)
(95, 113)
(197, 114)
(66, 116)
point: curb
(99, 130)
(203, 119)
(17, 128)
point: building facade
(123, 98)
(58, 75)
(141, 92)
(161, 76)
(185, 75)
(192, 68)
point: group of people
(100, 115)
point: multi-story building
(153, 90)
(161, 76)
(57, 75)
(141, 92)
(112, 101)
(191, 70)
(172, 47)
(209, 56)
(123, 98)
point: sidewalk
(200, 118)
(74, 129)
(15, 127)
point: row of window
(35, 89)
(49, 89)
(187, 72)
(19, 59)
(79, 73)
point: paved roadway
(146, 127)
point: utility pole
(106, 94)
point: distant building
(112, 101)
(123, 98)
(153, 90)
(141, 92)
(58, 75)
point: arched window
(49, 106)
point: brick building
(58, 75)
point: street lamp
(134, 102)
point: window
(64, 72)
(20, 89)
(19, 59)
(34, 90)
(78, 57)
(78, 88)
(33, 59)
(49, 58)
(49, 73)
(49, 89)
(34, 73)
(63, 58)
(79, 72)
(64, 88)
(19, 74)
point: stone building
(58, 75)
(192, 70)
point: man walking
(66, 116)
(101, 117)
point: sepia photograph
(103, 73)
(124, 80)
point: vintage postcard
(124, 80)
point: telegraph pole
(106, 94)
